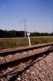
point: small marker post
(28, 34)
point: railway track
(19, 60)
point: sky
(37, 13)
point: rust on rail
(21, 49)
(35, 55)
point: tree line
(14, 33)
(41, 34)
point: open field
(17, 42)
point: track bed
(28, 65)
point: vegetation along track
(21, 59)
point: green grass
(17, 42)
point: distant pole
(25, 29)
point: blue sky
(38, 15)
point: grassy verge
(17, 42)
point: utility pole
(25, 28)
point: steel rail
(24, 49)
(23, 59)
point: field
(17, 42)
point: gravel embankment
(40, 69)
